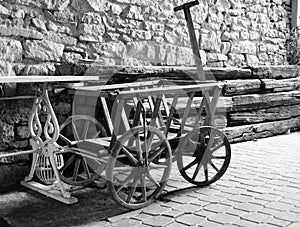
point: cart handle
(186, 5)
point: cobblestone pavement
(260, 188)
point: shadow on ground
(22, 207)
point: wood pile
(265, 105)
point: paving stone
(295, 225)
(205, 213)
(230, 202)
(245, 223)
(277, 222)
(256, 217)
(288, 216)
(155, 209)
(158, 221)
(126, 222)
(217, 208)
(247, 207)
(280, 206)
(224, 218)
(142, 216)
(211, 198)
(200, 203)
(240, 198)
(191, 219)
(187, 208)
(176, 224)
(174, 213)
(211, 224)
(236, 212)
(182, 199)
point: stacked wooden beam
(264, 105)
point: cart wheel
(203, 156)
(77, 169)
(133, 181)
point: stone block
(44, 4)
(210, 40)
(10, 50)
(43, 50)
(84, 6)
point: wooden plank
(49, 191)
(295, 13)
(276, 72)
(171, 114)
(187, 111)
(265, 114)
(168, 90)
(258, 101)
(239, 87)
(107, 115)
(43, 79)
(260, 130)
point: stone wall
(38, 35)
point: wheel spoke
(190, 165)
(85, 130)
(69, 142)
(125, 181)
(143, 187)
(217, 147)
(132, 188)
(139, 146)
(70, 160)
(76, 135)
(76, 169)
(214, 166)
(206, 172)
(149, 141)
(218, 157)
(132, 159)
(86, 168)
(156, 154)
(196, 171)
(152, 179)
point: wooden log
(238, 87)
(276, 72)
(261, 130)
(261, 115)
(257, 101)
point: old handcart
(145, 135)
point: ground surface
(260, 188)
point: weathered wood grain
(261, 130)
(276, 72)
(264, 114)
(258, 101)
(238, 87)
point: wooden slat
(171, 114)
(43, 79)
(187, 111)
(107, 115)
(168, 90)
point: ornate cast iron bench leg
(44, 135)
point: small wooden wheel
(203, 156)
(139, 167)
(77, 170)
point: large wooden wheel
(78, 170)
(139, 167)
(203, 156)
